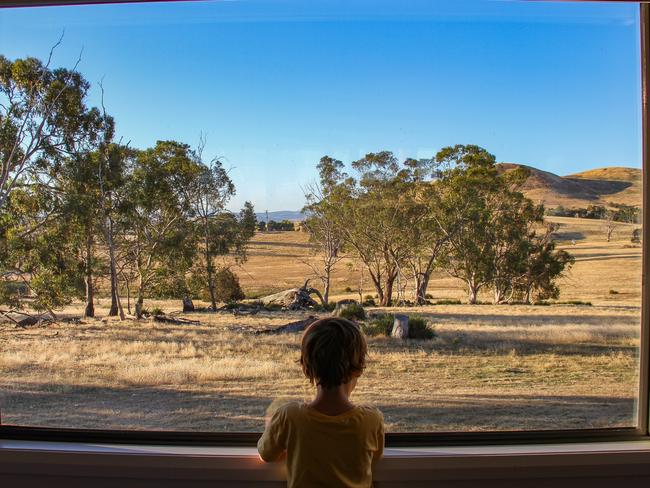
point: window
(215, 171)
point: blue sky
(276, 84)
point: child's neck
(332, 401)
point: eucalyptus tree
(43, 115)
(369, 211)
(493, 241)
(428, 228)
(38, 253)
(91, 189)
(321, 223)
(544, 264)
(473, 189)
(161, 235)
(219, 231)
(114, 164)
(46, 134)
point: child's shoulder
(290, 409)
(373, 414)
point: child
(330, 441)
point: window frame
(410, 439)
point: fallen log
(176, 320)
(297, 326)
(245, 311)
(28, 319)
(294, 298)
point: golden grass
(221, 376)
(489, 368)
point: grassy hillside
(600, 186)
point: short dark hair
(333, 350)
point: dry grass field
(490, 367)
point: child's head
(333, 352)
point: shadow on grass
(155, 408)
(512, 412)
(529, 319)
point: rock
(400, 326)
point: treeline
(284, 225)
(617, 212)
(77, 207)
(454, 213)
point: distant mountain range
(601, 186)
(280, 215)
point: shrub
(381, 325)
(227, 288)
(348, 289)
(448, 302)
(12, 292)
(613, 292)
(326, 308)
(157, 311)
(369, 302)
(419, 328)
(352, 311)
(428, 296)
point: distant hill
(593, 187)
(600, 186)
(280, 215)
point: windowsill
(630, 458)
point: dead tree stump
(400, 326)
(188, 305)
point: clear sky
(277, 84)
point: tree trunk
(90, 291)
(378, 289)
(138, 306)
(501, 294)
(128, 293)
(421, 286)
(113, 311)
(326, 288)
(326, 293)
(210, 271)
(498, 296)
(139, 302)
(188, 305)
(116, 305)
(472, 290)
(387, 299)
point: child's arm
(380, 440)
(273, 443)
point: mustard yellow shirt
(324, 450)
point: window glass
(182, 180)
